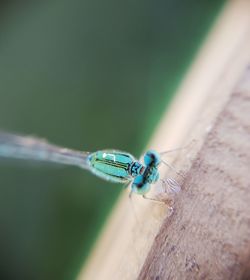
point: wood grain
(208, 236)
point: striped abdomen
(114, 166)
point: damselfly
(110, 165)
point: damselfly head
(141, 184)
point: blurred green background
(87, 75)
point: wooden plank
(127, 239)
(208, 236)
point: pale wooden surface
(127, 239)
(208, 236)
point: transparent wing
(30, 148)
(170, 186)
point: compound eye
(139, 186)
(152, 158)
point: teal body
(110, 165)
(122, 167)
